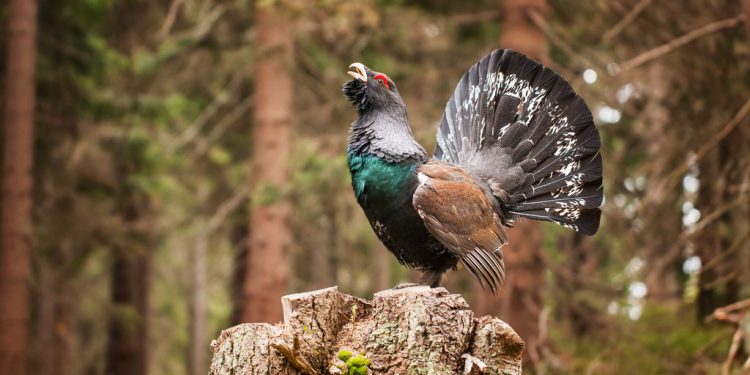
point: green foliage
(665, 339)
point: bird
(514, 142)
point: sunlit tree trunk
(17, 183)
(520, 300)
(269, 240)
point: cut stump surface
(416, 330)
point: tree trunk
(52, 351)
(63, 328)
(721, 172)
(269, 241)
(381, 278)
(17, 183)
(128, 329)
(416, 330)
(198, 349)
(660, 273)
(572, 305)
(239, 236)
(520, 299)
(321, 260)
(518, 31)
(43, 362)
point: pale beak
(357, 71)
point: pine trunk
(269, 240)
(381, 277)
(127, 351)
(17, 184)
(198, 349)
(54, 331)
(520, 299)
(518, 31)
(660, 273)
(418, 330)
(723, 177)
(320, 261)
(239, 236)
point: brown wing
(461, 216)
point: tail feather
(520, 127)
(587, 221)
(589, 172)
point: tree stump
(415, 330)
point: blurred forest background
(172, 167)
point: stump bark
(416, 330)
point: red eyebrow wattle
(384, 78)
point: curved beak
(358, 71)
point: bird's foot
(404, 286)
(473, 365)
(431, 278)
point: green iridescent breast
(377, 182)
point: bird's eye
(380, 77)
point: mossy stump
(415, 330)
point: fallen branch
(737, 313)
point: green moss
(357, 365)
(358, 361)
(358, 371)
(354, 365)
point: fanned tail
(522, 129)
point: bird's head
(382, 128)
(370, 90)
